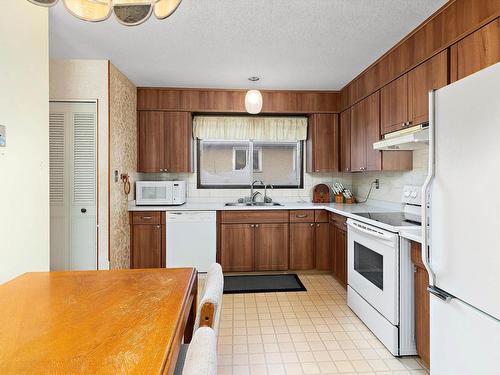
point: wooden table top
(116, 322)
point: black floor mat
(262, 284)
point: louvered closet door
(77, 186)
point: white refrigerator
(463, 221)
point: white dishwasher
(191, 239)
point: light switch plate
(3, 136)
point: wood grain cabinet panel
(340, 254)
(146, 246)
(432, 74)
(422, 305)
(150, 142)
(237, 247)
(302, 216)
(271, 247)
(358, 136)
(394, 105)
(322, 246)
(345, 141)
(302, 254)
(178, 142)
(476, 51)
(323, 143)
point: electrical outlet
(3, 136)
(377, 183)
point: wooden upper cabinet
(372, 129)
(345, 141)
(237, 247)
(323, 143)
(394, 105)
(476, 51)
(432, 74)
(358, 155)
(178, 142)
(271, 247)
(150, 142)
(164, 142)
(302, 254)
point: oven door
(373, 259)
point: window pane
(224, 163)
(279, 162)
(238, 163)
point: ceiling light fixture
(127, 12)
(253, 99)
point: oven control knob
(407, 194)
(414, 194)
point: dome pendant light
(253, 99)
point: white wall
(84, 80)
(24, 109)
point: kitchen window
(235, 164)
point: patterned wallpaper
(123, 158)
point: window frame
(199, 185)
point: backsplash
(392, 183)
(223, 195)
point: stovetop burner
(395, 219)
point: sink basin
(254, 204)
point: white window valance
(245, 127)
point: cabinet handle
(317, 225)
(312, 225)
(256, 225)
(347, 169)
(146, 217)
(301, 216)
(158, 226)
(252, 226)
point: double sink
(253, 204)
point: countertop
(347, 210)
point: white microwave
(160, 193)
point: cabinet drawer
(302, 216)
(321, 216)
(146, 217)
(260, 216)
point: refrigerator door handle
(440, 293)
(425, 192)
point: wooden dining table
(96, 322)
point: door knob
(83, 210)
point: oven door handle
(371, 232)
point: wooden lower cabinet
(147, 240)
(338, 248)
(237, 247)
(422, 305)
(302, 254)
(322, 246)
(271, 247)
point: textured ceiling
(290, 44)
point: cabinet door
(340, 270)
(146, 246)
(422, 305)
(394, 105)
(345, 141)
(237, 247)
(302, 255)
(150, 142)
(323, 143)
(432, 74)
(178, 141)
(371, 120)
(358, 155)
(332, 244)
(271, 247)
(476, 51)
(322, 246)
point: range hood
(414, 138)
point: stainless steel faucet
(254, 194)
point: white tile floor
(311, 332)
